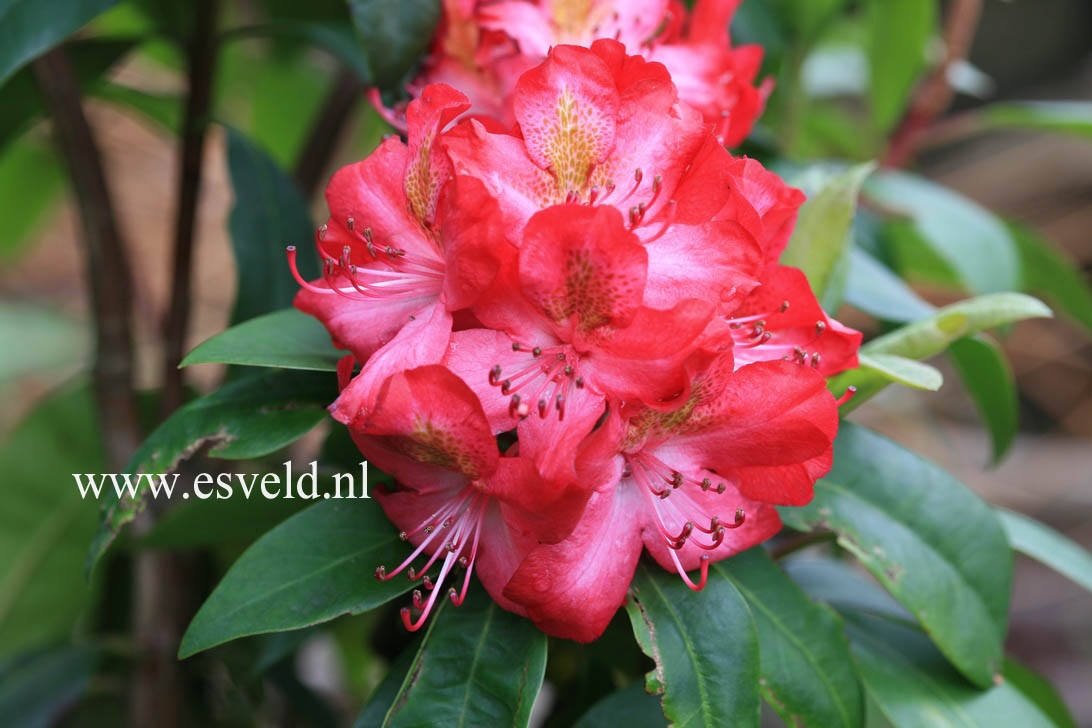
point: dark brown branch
(107, 262)
(201, 58)
(935, 93)
(326, 131)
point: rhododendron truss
(482, 47)
(601, 282)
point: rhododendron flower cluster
(575, 342)
(483, 46)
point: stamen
(850, 391)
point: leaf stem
(201, 58)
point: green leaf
(270, 213)
(31, 181)
(478, 664)
(989, 380)
(806, 670)
(1052, 274)
(875, 371)
(632, 707)
(821, 237)
(1047, 546)
(807, 18)
(29, 28)
(915, 688)
(929, 540)
(704, 644)
(382, 698)
(36, 689)
(285, 339)
(968, 237)
(887, 358)
(90, 59)
(338, 39)
(898, 32)
(165, 110)
(874, 289)
(1039, 691)
(315, 566)
(44, 524)
(247, 418)
(395, 36)
(1069, 117)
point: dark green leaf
(632, 707)
(315, 566)
(247, 418)
(285, 339)
(806, 671)
(1047, 546)
(270, 213)
(44, 524)
(1070, 117)
(90, 59)
(874, 289)
(478, 664)
(336, 38)
(1050, 273)
(29, 28)
(916, 688)
(968, 237)
(395, 36)
(381, 699)
(928, 539)
(37, 688)
(989, 380)
(821, 236)
(1040, 692)
(898, 33)
(704, 644)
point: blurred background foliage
(996, 157)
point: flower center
(753, 342)
(669, 496)
(544, 380)
(452, 530)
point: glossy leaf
(29, 28)
(820, 239)
(232, 520)
(928, 337)
(1048, 272)
(707, 660)
(968, 237)
(989, 380)
(44, 524)
(247, 418)
(898, 33)
(632, 707)
(1070, 117)
(915, 688)
(270, 213)
(381, 699)
(873, 288)
(315, 566)
(1047, 546)
(478, 664)
(36, 689)
(806, 669)
(929, 540)
(287, 339)
(394, 36)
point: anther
(784, 306)
(815, 360)
(515, 346)
(381, 572)
(542, 405)
(656, 182)
(494, 375)
(579, 382)
(537, 351)
(506, 386)
(820, 327)
(427, 582)
(403, 536)
(350, 223)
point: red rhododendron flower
(483, 46)
(602, 281)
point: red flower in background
(602, 281)
(483, 47)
